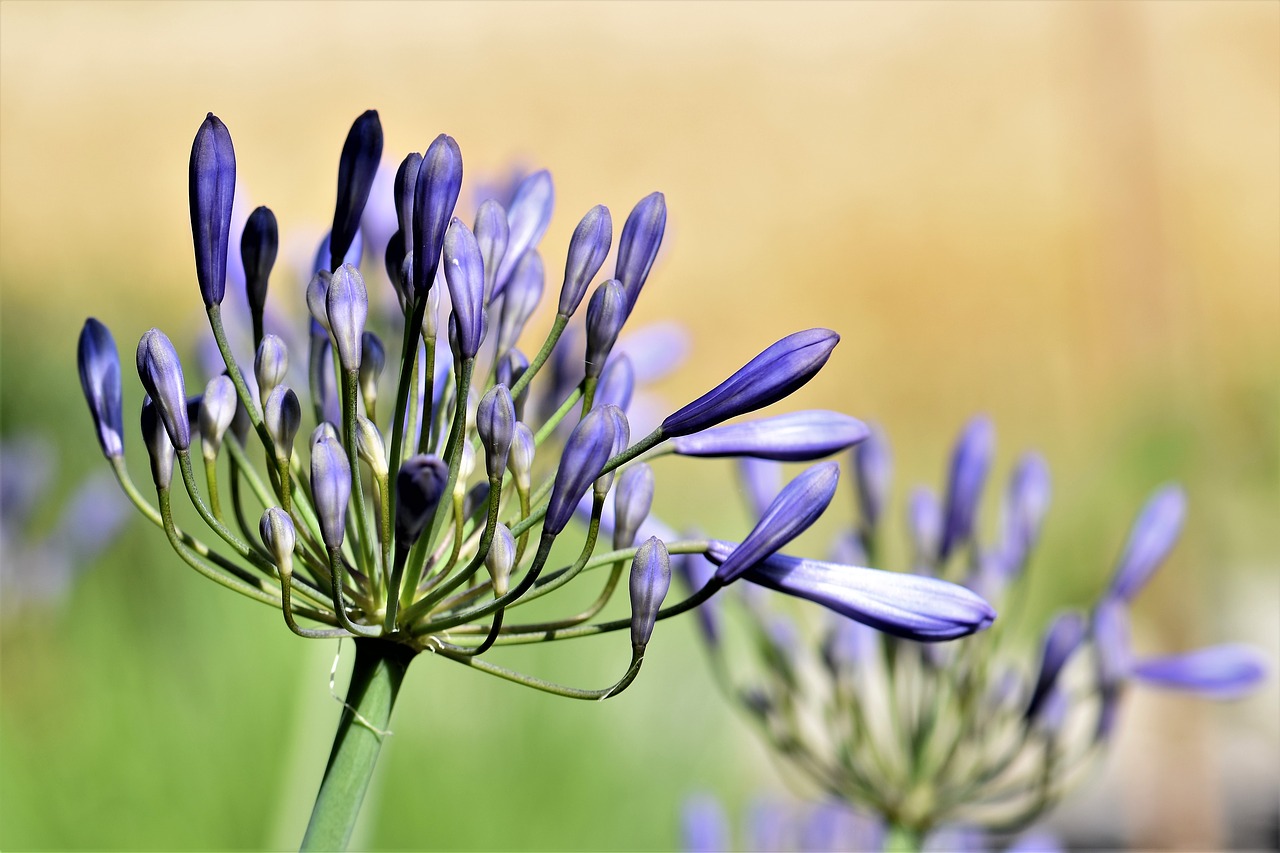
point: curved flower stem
(375, 681)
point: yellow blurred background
(1066, 215)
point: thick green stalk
(375, 680)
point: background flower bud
(212, 186)
(464, 275)
(631, 503)
(373, 358)
(161, 375)
(369, 446)
(1152, 537)
(970, 462)
(521, 298)
(159, 447)
(492, 233)
(420, 483)
(501, 559)
(873, 469)
(318, 297)
(520, 462)
(496, 424)
(527, 218)
(279, 537)
(99, 365)
(510, 368)
(650, 580)
(617, 382)
(259, 244)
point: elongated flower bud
(270, 365)
(347, 305)
(406, 183)
(520, 462)
(588, 448)
(318, 297)
(523, 293)
(282, 416)
(330, 488)
(527, 218)
(617, 382)
(773, 374)
(1218, 672)
(212, 186)
(873, 469)
(217, 409)
(99, 365)
(588, 248)
(1064, 636)
(492, 234)
(161, 375)
(279, 537)
(369, 446)
(795, 508)
(419, 486)
(496, 424)
(398, 267)
(259, 245)
(373, 358)
(924, 523)
(793, 437)
(1110, 632)
(1152, 537)
(631, 504)
(1026, 503)
(434, 197)
(621, 441)
(606, 313)
(159, 447)
(464, 274)
(356, 169)
(638, 246)
(762, 480)
(650, 580)
(969, 464)
(501, 559)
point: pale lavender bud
(621, 441)
(631, 504)
(1150, 540)
(217, 409)
(270, 365)
(330, 488)
(924, 521)
(848, 646)
(617, 383)
(100, 380)
(1216, 672)
(793, 437)
(588, 248)
(873, 470)
(435, 194)
(464, 274)
(501, 559)
(369, 446)
(159, 447)
(161, 375)
(527, 217)
(357, 166)
(279, 537)
(212, 186)
(1113, 658)
(496, 424)
(492, 233)
(970, 462)
(520, 462)
(638, 246)
(347, 306)
(606, 312)
(1064, 636)
(650, 580)
(419, 487)
(585, 453)
(1026, 503)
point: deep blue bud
(588, 248)
(259, 245)
(159, 447)
(969, 464)
(99, 366)
(356, 169)
(650, 580)
(778, 371)
(1150, 540)
(606, 313)
(270, 365)
(631, 504)
(161, 375)
(330, 487)
(434, 197)
(492, 234)
(419, 487)
(398, 267)
(1218, 672)
(464, 274)
(588, 448)
(527, 217)
(873, 471)
(793, 437)
(282, 415)
(524, 291)
(212, 186)
(638, 246)
(617, 383)
(1064, 636)
(496, 424)
(347, 307)
(795, 508)
(217, 409)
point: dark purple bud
(356, 169)
(511, 366)
(872, 470)
(419, 487)
(492, 235)
(212, 186)
(588, 448)
(606, 312)
(159, 447)
(99, 366)
(1064, 636)
(1216, 672)
(161, 375)
(527, 217)
(434, 197)
(282, 415)
(259, 244)
(650, 580)
(330, 488)
(520, 462)
(631, 504)
(924, 522)
(523, 292)
(496, 424)
(791, 513)
(793, 437)
(773, 374)
(588, 248)
(969, 464)
(270, 365)
(347, 307)
(904, 605)
(406, 183)
(617, 383)
(398, 266)
(373, 359)
(1150, 540)
(638, 246)
(217, 408)
(1026, 503)
(464, 274)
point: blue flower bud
(496, 424)
(650, 580)
(492, 234)
(588, 448)
(354, 255)
(501, 559)
(419, 486)
(159, 447)
(621, 441)
(773, 374)
(704, 827)
(279, 537)
(795, 508)
(434, 197)
(347, 307)
(406, 183)
(907, 606)
(259, 244)
(631, 504)
(330, 488)
(969, 464)
(520, 462)
(161, 375)
(99, 366)
(872, 469)
(521, 298)
(848, 646)
(318, 297)
(1026, 503)
(464, 274)
(762, 480)
(1064, 636)
(1217, 672)
(270, 365)
(212, 186)
(638, 246)
(588, 248)
(924, 523)
(356, 169)
(606, 313)
(527, 218)
(1150, 540)
(793, 437)
(511, 367)
(217, 409)
(1110, 632)
(617, 383)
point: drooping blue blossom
(1153, 535)
(638, 245)
(357, 167)
(970, 462)
(588, 248)
(793, 437)
(1218, 672)
(99, 365)
(212, 186)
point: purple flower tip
(212, 186)
(99, 366)
(1060, 642)
(259, 244)
(496, 424)
(638, 245)
(1218, 672)
(492, 234)
(357, 167)
(606, 312)
(793, 437)
(969, 464)
(1150, 540)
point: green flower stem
(350, 393)
(375, 681)
(339, 603)
(211, 480)
(557, 329)
(560, 414)
(408, 371)
(427, 415)
(902, 839)
(637, 657)
(240, 581)
(233, 370)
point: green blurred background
(1064, 215)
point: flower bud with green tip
(606, 314)
(217, 409)
(259, 245)
(282, 415)
(496, 424)
(347, 307)
(99, 366)
(270, 365)
(650, 580)
(588, 448)
(501, 559)
(631, 503)
(419, 486)
(330, 488)
(588, 248)
(211, 186)
(357, 166)
(161, 375)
